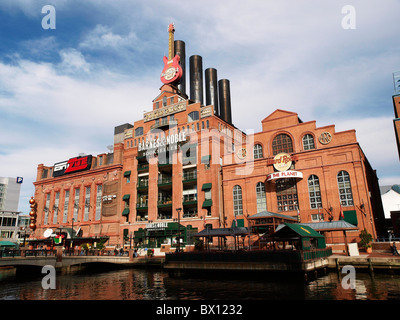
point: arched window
(258, 152)
(193, 116)
(344, 185)
(314, 192)
(261, 200)
(308, 142)
(237, 201)
(282, 143)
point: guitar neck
(171, 45)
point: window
(314, 192)
(261, 200)
(164, 101)
(258, 152)
(282, 143)
(344, 185)
(193, 116)
(76, 204)
(138, 131)
(66, 202)
(286, 194)
(98, 201)
(308, 142)
(46, 209)
(237, 201)
(87, 204)
(55, 207)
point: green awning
(301, 230)
(206, 186)
(6, 243)
(351, 217)
(125, 212)
(126, 197)
(207, 203)
(127, 173)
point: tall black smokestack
(196, 78)
(212, 89)
(179, 47)
(225, 100)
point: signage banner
(285, 174)
(72, 165)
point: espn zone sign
(72, 165)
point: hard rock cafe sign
(282, 163)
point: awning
(338, 225)
(126, 197)
(127, 173)
(206, 186)
(268, 214)
(207, 203)
(7, 244)
(125, 212)
(301, 229)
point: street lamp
(72, 236)
(178, 210)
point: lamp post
(72, 236)
(178, 210)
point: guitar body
(172, 70)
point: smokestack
(225, 100)
(196, 78)
(179, 46)
(212, 89)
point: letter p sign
(49, 20)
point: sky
(63, 89)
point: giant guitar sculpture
(172, 71)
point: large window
(99, 194)
(87, 204)
(55, 207)
(66, 202)
(314, 192)
(344, 185)
(138, 131)
(46, 209)
(193, 116)
(308, 142)
(261, 200)
(258, 152)
(76, 204)
(286, 194)
(282, 143)
(237, 201)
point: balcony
(189, 176)
(189, 199)
(164, 181)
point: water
(156, 284)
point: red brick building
(184, 165)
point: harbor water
(157, 284)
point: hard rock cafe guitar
(172, 70)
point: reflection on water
(140, 284)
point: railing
(6, 253)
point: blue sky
(63, 91)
